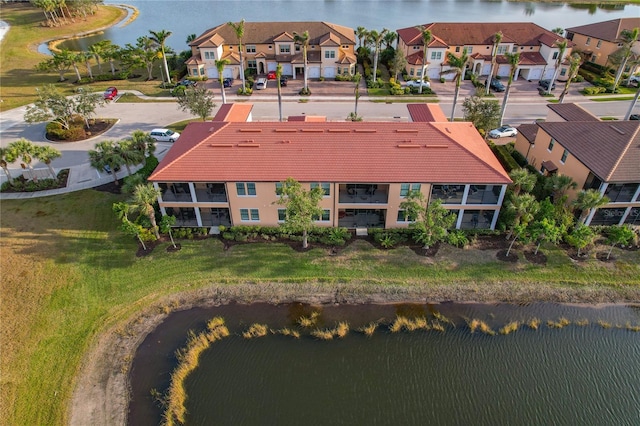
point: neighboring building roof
(309, 118)
(331, 151)
(531, 58)
(233, 112)
(528, 131)
(426, 113)
(607, 30)
(482, 33)
(610, 149)
(572, 112)
(549, 165)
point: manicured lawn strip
(609, 99)
(68, 273)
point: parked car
(271, 75)
(634, 80)
(261, 84)
(634, 117)
(544, 84)
(283, 81)
(416, 84)
(107, 168)
(187, 83)
(504, 131)
(164, 135)
(110, 94)
(495, 84)
(227, 82)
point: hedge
(504, 157)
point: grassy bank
(19, 55)
(69, 273)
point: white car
(164, 135)
(504, 131)
(416, 84)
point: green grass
(597, 98)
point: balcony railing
(363, 194)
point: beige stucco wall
(601, 54)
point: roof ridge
(623, 153)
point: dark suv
(544, 84)
(227, 82)
(495, 84)
(283, 81)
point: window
(326, 216)
(563, 72)
(621, 192)
(402, 216)
(251, 48)
(555, 55)
(329, 54)
(285, 48)
(449, 194)
(416, 47)
(278, 188)
(599, 44)
(339, 70)
(551, 144)
(588, 42)
(194, 72)
(457, 49)
(282, 215)
(418, 72)
(515, 49)
(326, 187)
(483, 194)
(201, 71)
(297, 47)
(468, 49)
(565, 154)
(270, 47)
(436, 55)
(206, 55)
(245, 188)
(251, 63)
(406, 187)
(502, 50)
(411, 72)
(249, 215)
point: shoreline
(101, 389)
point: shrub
(321, 78)
(504, 157)
(519, 158)
(593, 90)
(457, 238)
(304, 92)
(344, 77)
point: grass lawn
(68, 273)
(19, 55)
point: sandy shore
(101, 394)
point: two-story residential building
(266, 44)
(602, 155)
(537, 48)
(229, 173)
(599, 41)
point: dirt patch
(110, 187)
(602, 257)
(502, 255)
(171, 248)
(537, 258)
(489, 242)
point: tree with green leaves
(130, 154)
(166, 222)
(483, 113)
(575, 60)
(389, 38)
(303, 40)
(160, 38)
(24, 150)
(106, 154)
(198, 101)
(60, 62)
(239, 30)
(426, 40)
(522, 181)
(51, 105)
(457, 67)
(514, 60)
(141, 55)
(77, 58)
(356, 91)
(220, 64)
(143, 142)
(546, 231)
(85, 105)
(361, 33)
(622, 235)
(580, 237)
(523, 207)
(109, 53)
(144, 199)
(7, 156)
(588, 200)
(558, 185)
(398, 63)
(302, 208)
(86, 57)
(429, 222)
(376, 39)
(47, 154)
(497, 38)
(558, 30)
(279, 85)
(562, 47)
(122, 210)
(628, 39)
(96, 50)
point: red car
(271, 75)
(110, 94)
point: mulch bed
(490, 242)
(602, 257)
(502, 255)
(96, 127)
(539, 258)
(110, 187)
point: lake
(184, 17)
(583, 373)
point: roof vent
(436, 146)
(249, 145)
(408, 145)
(616, 129)
(312, 130)
(221, 145)
(285, 130)
(406, 130)
(365, 130)
(338, 130)
(250, 130)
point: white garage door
(504, 70)
(486, 69)
(548, 75)
(227, 73)
(329, 72)
(535, 74)
(287, 69)
(271, 66)
(314, 72)
(212, 72)
(433, 73)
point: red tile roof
(309, 118)
(233, 113)
(607, 30)
(426, 113)
(331, 151)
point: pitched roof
(611, 150)
(331, 151)
(606, 30)
(426, 113)
(310, 118)
(529, 131)
(233, 112)
(481, 33)
(572, 112)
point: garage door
(329, 72)
(212, 72)
(227, 73)
(433, 73)
(504, 70)
(287, 69)
(486, 69)
(271, 66)
(314, 72)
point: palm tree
(558, 30)
(278, 77)
(497, 38)
(74, 58)
(514, 60)
(562, 47)
(110, 52)
(143, 142)
(587, 201)
(220, 64)
(7, 156)
(558, 185)
(47, 154)
(389, 39)
(86, 57)
(376, 38)
(522, 181)
(191, 37)
(303, 40)
(144, 199)
(161, 37)
(633, 104)
(130, 154)
(96, 50)
(426, 39)
(574, 63)
(239, 30)
(356, 91)
(457, 67)
(105, 154)
(524, 207)
(24, 150)
(361, 33)
(628, 37)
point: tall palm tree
(303, 40)
(110, 52)
(144, 199)
(278, 77)
(143, 142)
(220, 64)
(86, 57)
(562, 47)
(361, 33)
(24, 150)
(239, 30)
(426, 39)
(105, 154)
(47, 154)
(7, 156)
(558, 185)
(130, 154)
(497, 38)
(389, 39)
(96, 50)
(457, 67)
(522, 181)
(628, 37)
(161, 37)
(574, 63)
(634, 101)
(587, 201)
(376, 38)
(191, 37)
(74, 59)
(514, 60)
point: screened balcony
(175, 191)
(352, 193)
(211, 192)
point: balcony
(215, 217)
(362, 218)
(175, 192)
(211, 192)
(363, 194)
(185, 216)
